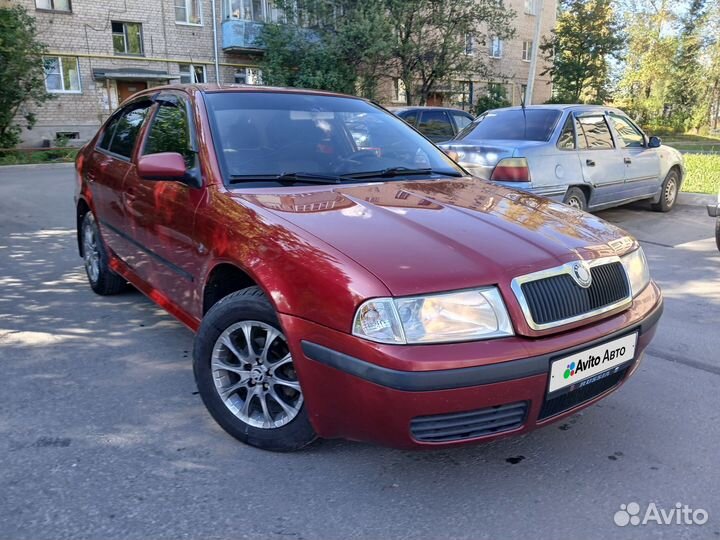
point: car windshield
(307, 137)
(512, 125)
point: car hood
(435, 235)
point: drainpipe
(215, 46)
(534, 53)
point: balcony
(241, 36)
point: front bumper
(365, 391)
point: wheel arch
(81, 209)
(225, 278)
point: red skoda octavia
(345, 278)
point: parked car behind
(589, 157)
(714, 211)
(438, 124)
(375, 293)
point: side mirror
(163, 166)
(654, 142)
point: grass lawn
(693, 143)
(703, 173)
(42, 156)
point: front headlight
(435, 318)
(637, 270)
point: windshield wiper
(399, 171)
(288, 178)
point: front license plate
(582, 365)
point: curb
(37, 165)
(696, 199)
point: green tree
(22, 76)
(587, 36)
(495, 98)
(431, 39)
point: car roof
(562, 107)
(213, 88)
(424, 108)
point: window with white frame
(531, 7)
(188, 12)
(399, 90)
(53, 5)
(254, 10)
(527, 50)
(248, 76)
(61, 74)
(469, 44)
(192, 74)
(496, 47)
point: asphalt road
(103, 436)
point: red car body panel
(319, 252)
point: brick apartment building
(101, 52)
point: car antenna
(522, 106)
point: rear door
(642, 164)
(162, 213)
(106, 173)
(601, 162)
(435, 125)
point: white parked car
(588, 156)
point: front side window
(169, 132)
(127, 129)
(61, 74)
(260, 135)
(192, 74)
(512, 125)
(496, 47)
(527, 50)
(596, 132)
(630, 136)
(53, 5)
(188, 12)
(127, 38)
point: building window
(127, 38)
(188, 12)
(531, 7)
(248, 76)
(254, 10)
(53, 5)
(496, 47)
(191, 74)
(61, 74)
(469, 44)
(399, 93)
(527, 50)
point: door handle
(628, 161)
(589, 163)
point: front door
(163, 212)
(602, 164)
(125, 89)
(642, 164)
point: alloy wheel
(91, 253)
(254, 375)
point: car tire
(575, 198)
(242, 378)
(668, 197)
(102, 279)
(717, 233)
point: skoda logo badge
(581, 274)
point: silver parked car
(590, 157)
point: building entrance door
(125, 89)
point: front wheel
(717, 233)
(670, 188)
(246, 375)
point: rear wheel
(103, 280)
(246, 375)
(670, 188)
(575, 198)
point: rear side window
(127, 129)
(461, 120)
(566, 141)
(169, 132)
(596, 132)
(435, 125)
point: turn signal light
(511, 170)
